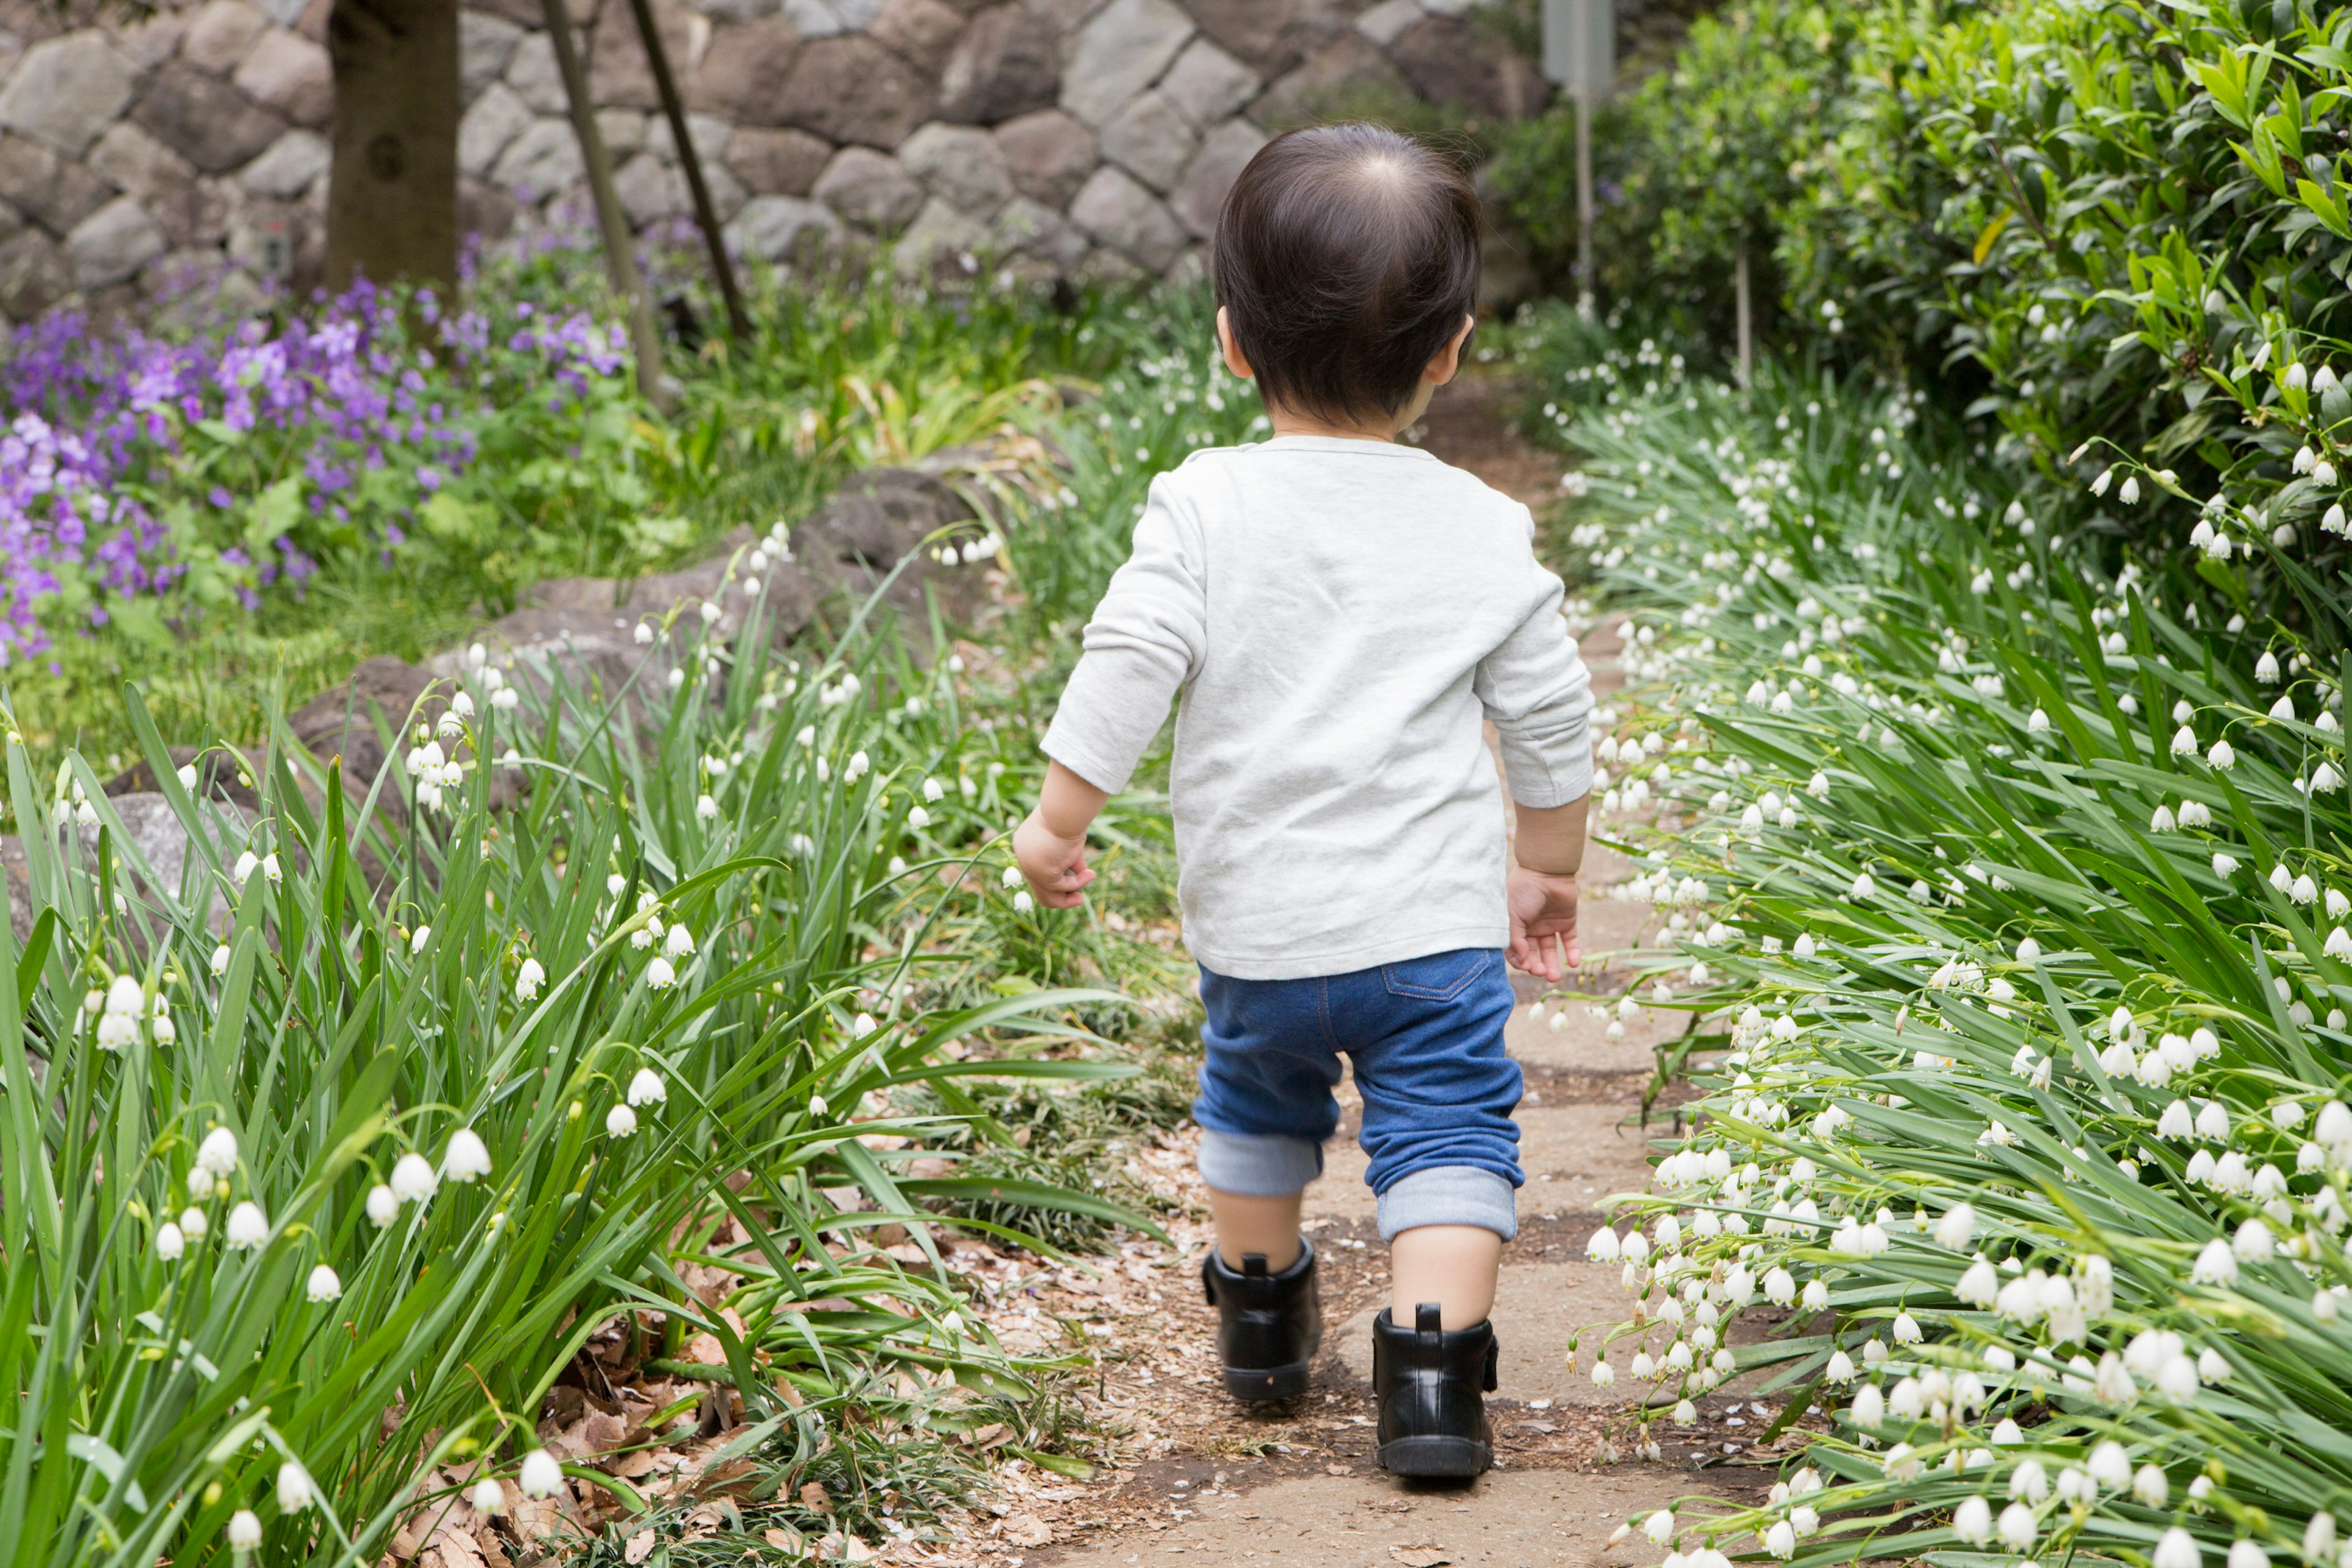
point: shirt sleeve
(1537, 694)
(1145, 641)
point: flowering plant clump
(141, 475)
(2017, 898)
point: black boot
(1429, 1384)
(1269, 1325)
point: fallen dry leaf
(1027, 1530)
(640, 1546)
(814, 1496)
(1420, 1556)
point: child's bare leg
(1267, 1226)
(1453, 1265)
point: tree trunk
(392, 203)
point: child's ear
(1234, 360)
(1447, 360)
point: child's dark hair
(1346, 258)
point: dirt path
(1208, 1481)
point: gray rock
(960, 164)
(489, 126)
(532, 74)
(1120, 53)
(68, 90)
(1200, 195)
(1350, 65)
(921, 32)
(146, 43)
(207, 122)
(1448, 61)
(1114, 210)
(289, 73)
(485, 43)
(1032, 228)
(112, 243)
(727, 193)
(360, 721)
(1048, 155)
(1208, 84)
(812, 18)
(777, 163)
(1270, 36)
(219, 33)
(746, 65)
(1152, 139)
(287, 169)
(649, 190)
(875, 522)
(858, 15)
(544, 159)
(485, 210)
(940, 234)
(131, 161)
(1008, 62)
(724, 11)
(851, 89)
(33, 275)
(870, 189)
(1105, 265)
(623, 131)
(708, 131)
(1388, 19)
(54, 192)
(779, 228)
(200, 214)
(619, 73)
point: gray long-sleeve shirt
(1339, 616)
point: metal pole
(1584, 280)
(1747, 322)
(706, 216)
(620, 247)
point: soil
(1196, 1478)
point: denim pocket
(1440, 977)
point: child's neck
(1287, 422)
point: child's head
(1347, 262)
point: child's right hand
(1543, 908)
(1056, 867)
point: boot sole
(1254, 1383)
(1436, 1458)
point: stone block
(1207, 83)
(921, 32)
(858, 15)
(542, 161)
(208, 121)
(131, 161)
(146, 43)
(776, 162)
(623, 131)
(962, 164)
(289, 73)
(779, 228)
(1446, 61)
(872, 190)
(1269, 36)
(1152, 139)
(112, 243)
(531, 17)
(486, 42)
(812, 18)
(54, 192)
(33, 275)
(219, 33)
(939, 236)
(67, 90)
(484, 209)
(285, 170)
(200, 214)
(707, 131)
(649, 189)
(1008, 62)
(619, 73)
(743, 72)
(1200, 195)
(488, 127)
(724, 11)
(1113, 209)
(532, 74)
(851, 89)
(727, 193)
(1030, 227)
(1120, 53)
(1048, 155)
(1385, 22)
(1348, 65)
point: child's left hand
(1056, 867)
(1543, 909)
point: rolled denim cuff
(1258, 1165)
(1449, 1194)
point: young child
(1341, 614)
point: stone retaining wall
(1081, 136)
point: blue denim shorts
(1426, 1038)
